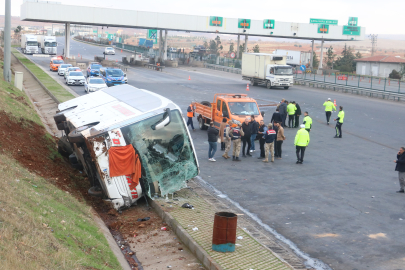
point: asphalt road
(340, 206)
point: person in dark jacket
(283, 111)
(254, 128)
(297, 114)
(247, 130)
(270, 138)
(260, 137)
(400, 168)
(212, 141)
(276, 117)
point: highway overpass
(327, 30)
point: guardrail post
(335, 77)
(324, 78)
(358, 83)
(371, 87)
(385, 83)
(399, 86)
(347, 78)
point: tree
(346, 63)
(241, 50)
(330, 56)
(205, 44)
(394, 75)
(315, 61)
(231, 47)
(18, 29)
(256, 48)
(215, 45)
(358, 55)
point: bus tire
(286, 87)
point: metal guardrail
(223, 68)
(354, 89)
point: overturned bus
(129, 141)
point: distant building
(379, 65)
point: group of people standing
(242, 136)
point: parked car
(75, 78)
(113, 76)
(93, 84)
(62, 68)
(94, 69)
(109, 50)
(70, 69)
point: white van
(120, 116)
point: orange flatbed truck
(234, 107)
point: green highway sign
(244, 23)
(268, 24)
(106, 32)
(95, 31)
(353, 21)
(152, 34)
(319, 21)
(323, 28)
(216, 21)
(99, 35)
(351, 30)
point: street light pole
(7, 42)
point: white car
(62, 68)
(75, 78)
(94, 84)
(109, 50)
(69, 69)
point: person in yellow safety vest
(307, 122)
(190, 114)
(301, 142)
(339, 123)
(291, 114)
(329, 106)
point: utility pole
(373, 39)
(7, 42)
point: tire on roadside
(64, 147)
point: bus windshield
(243, 108)
(166, 154)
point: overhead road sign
(351, 30)
(323, 28)
(353, 21)
(323, 21)
(42, 11)
(216, 21)
(268, 24)
(152, 34)
(244, 23)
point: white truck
(48, 44)
(268, 69)
(295, 58)
(130, 142)
(29, 44)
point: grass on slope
(54, 87)
(42, 226)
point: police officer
(236, 133)
(270, 137)
(307, 122)
(329, 106)
(339, 122)
(301, 142)
(227, 138)
(190, 114)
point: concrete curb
(111, 242)
(40, 83)
(187, 240)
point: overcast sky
(379, 17)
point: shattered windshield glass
(166, 154)
(243, 108)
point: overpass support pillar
(237, 47)
(312, 56)
(165, 47)
(321, 57)
(67, 40)
(246, 42)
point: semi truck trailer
(29, 44)
(270, 70)
(295, 58)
